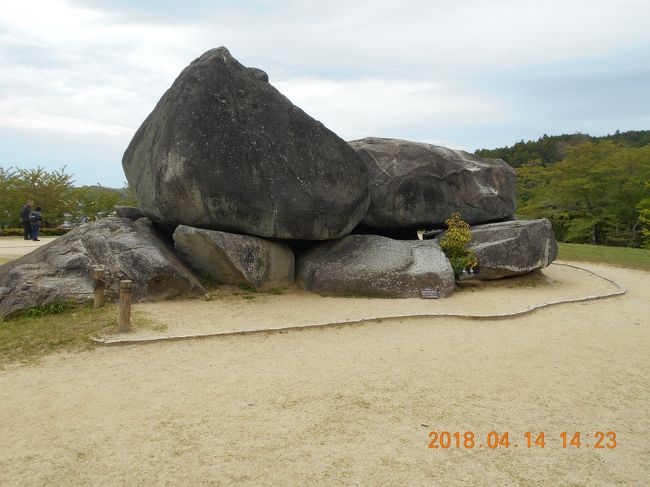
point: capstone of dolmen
(224, 150)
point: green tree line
(550, 149)
(593, 190)
(55, 193)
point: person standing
(24, 217)
(36, 218)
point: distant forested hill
(593, 189)
(549, 149)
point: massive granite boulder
(225, 150)
(375, 265)
(62, 269)
(236, 259)
(415, 185)
(512, 248)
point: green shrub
(454, 243)
(11, 232)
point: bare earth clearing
(14, 247)
(230, 310)
(346, 405)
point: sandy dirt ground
(351, 405)
(13, 247)
(229, 309)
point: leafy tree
(128, 197)
(48, 189)
(55, 193)
(644, 218)
(455, 241)
(88, 203)
(551, 149)
(591, 195)
(10, 200)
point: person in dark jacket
(36, 218)
(24, 217)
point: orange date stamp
(530, 439)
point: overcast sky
(77, 77)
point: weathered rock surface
(236, 259)
(130, 212)
(62, 270)
(375, 265)
(512, 248)
(415, 185)
(225, 150)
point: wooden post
(125, 306)
(98, 276)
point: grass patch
(207, 280)
(276, 291)
(34, 334)
(138, 322)
(620, 256)
(247, 288)
(249, 291)
(26, 339)
(55, 308)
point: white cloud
(430, 38)
(376, 67)
(47, 20)
(385, 107)
(24, 118)
(71, 69)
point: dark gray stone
(225, 150)
(513, 248)
(375, 265)
(415, 185)
(130, 212)
(236, 259)
(62, 269)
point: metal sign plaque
(429, 293)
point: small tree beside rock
(455, 242)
